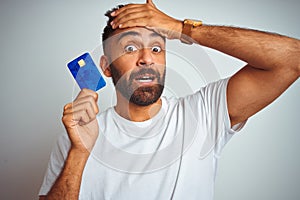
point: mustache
(143, 71)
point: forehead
(136, 33)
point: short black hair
(108, 30)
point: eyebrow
(154, 34)
(134, 34)
(129, 33)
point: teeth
(145, 79)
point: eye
(130, 48)
(156, 49)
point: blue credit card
(86, 73)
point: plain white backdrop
(38, 38)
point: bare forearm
(67, 185)
(261, 50)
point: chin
(145, 96)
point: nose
(145, 57)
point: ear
(104, 64)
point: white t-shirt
(171, 156)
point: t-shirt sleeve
(212, 110)
(56, 163)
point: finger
(89, 99)
(73, 119)
(124, 12)
(86, 106)
(137, 22)
(150, 2)
(134, 17)
(133, 23)
(81, 117)
(87, 92)
(68, 106)
(120, 10)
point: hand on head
(147, 15)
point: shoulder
(211, 92)
(214, 87)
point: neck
(135, 112)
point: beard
(138, 95)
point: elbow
(297, 57)
(298, 66)
(291, 57)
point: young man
(151, 147)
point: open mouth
(145, 78)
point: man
(84, 165)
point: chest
(188, 176)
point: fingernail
(112, 23)
(121, 25)
(113, 13)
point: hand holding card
(85, 73)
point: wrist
(79, 153)
(188, 26)
(178, 28)
(173, 30)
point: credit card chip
(81, 63)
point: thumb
(150, 2)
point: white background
(38, 38)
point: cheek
(126, 62)
(160, 59)
(124, 65)
(115, 56)
(161, 63)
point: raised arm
(273, 65)
(273, 60)
(80, 121)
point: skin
(269, 56)
(79, 119)
(273, 65)
(145, 43)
